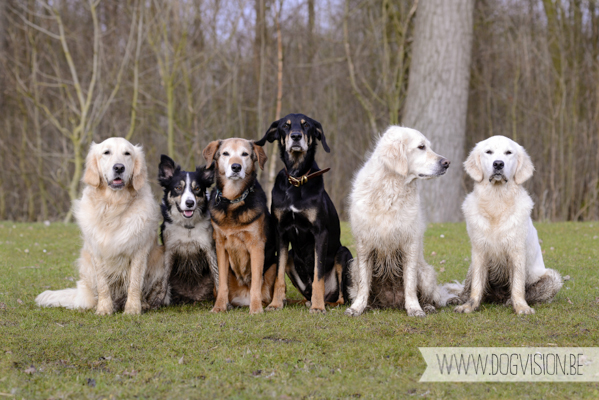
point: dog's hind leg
(342, 261)
(543, 290)
(363, 278)
(213, 263)
(427, 287)
(157, 292)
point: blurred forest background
(174, 75)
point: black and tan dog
(243, 228)
(317, 264)
(186, 231)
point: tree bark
(437, 99)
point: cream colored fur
(120, 259)
(505, 246)
(388, 224)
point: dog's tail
(449, 291)
(79, 297)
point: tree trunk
(437, 98)
(274, 147)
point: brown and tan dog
(244, 231)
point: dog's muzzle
(497, 176)
(444, 165)
(117, 181)
(190, 208)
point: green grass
(186, 352)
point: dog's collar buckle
(302, 180)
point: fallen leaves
(31, 370)
(131, 374)
(20, 301)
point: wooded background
(174, 75)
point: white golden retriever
(388, 226)
(507, 264)
(121, 261)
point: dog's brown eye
(226, 153)
(244, 154)
(489, 152)
(422, 147)
(508, 152)
(179, 188)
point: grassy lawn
(186, 352)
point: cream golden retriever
(507, 263)
(121, 261)
(388, 226)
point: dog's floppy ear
(473, 166)
(259, 151)
(140, 171)
(319, 134)
(394, 155)
(206, 174)
(210, 151)
(166, 169)
(271, 134)
(92, 176)
(525, 168)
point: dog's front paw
(256, 310)
(352, 312)
(274, 306)
(455, 301)
(415, 312)
(314, 310)
(104, 308)
(465, 308)
(523, 310)
(132, 308)
(429, 309)
(219, 308)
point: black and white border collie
(190, 255)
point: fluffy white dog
(121, 261)
(507, 264)
(388, 226)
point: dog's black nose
(445, 163)
(498, 164)
(118, 168)
(190, 203)
(296, 136)
(236, 167)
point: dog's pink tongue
(188, 213)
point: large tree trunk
(437, 98)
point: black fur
(294, 227)
(189, 247)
